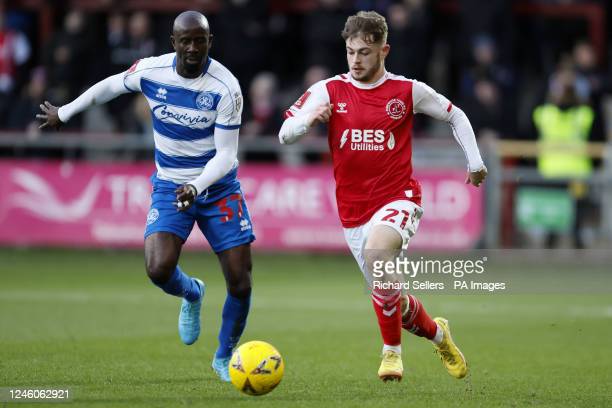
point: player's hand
(185, 197)
(476, 177)
(320, 114)
(50, 116)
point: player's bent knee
(161, 256)
(159, 271)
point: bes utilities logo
(367, 139)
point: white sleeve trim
(426, 100)
(98, 94)
(226, 144)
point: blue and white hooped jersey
(185, 112)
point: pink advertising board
(105, 205)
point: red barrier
(99, 205)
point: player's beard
(367, 75)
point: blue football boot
(221, 367)
(189, 318)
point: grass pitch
(91, 321)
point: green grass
(91, 321)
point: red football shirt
(370, 138)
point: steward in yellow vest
(564, 125)
(564, 134)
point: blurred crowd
(498, 65)
(529, 69)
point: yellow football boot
(449, 353)
(391, 367)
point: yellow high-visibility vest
(564, 135)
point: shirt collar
(204, 70)
(362, 85)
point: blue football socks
(182, 285)
(235, 312)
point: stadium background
(89, 319)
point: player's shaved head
(188, 20)
(191, 39)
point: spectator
(485, 65)
(263, 116)
(128, 42)
(591, 83)
(23, 111)
(312, 75)
(585, 64)
(482, 87)
(242, 23)
(322, 42)
(565, 118)
(409, 26)
(493, 17)
(131, 43)
(66, 57)
(486, 109)
(564, 125)
(14, 53)
(115, 30)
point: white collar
(362, 85)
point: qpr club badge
(152, 216)
(205, 100)
(396, 109)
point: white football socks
(397, 349)
(437, 339)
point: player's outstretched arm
(98, 94)
(429, 102)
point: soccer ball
(256, 368)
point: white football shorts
(401, 215)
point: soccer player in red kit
(370, 113)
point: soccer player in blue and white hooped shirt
(196, 106)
